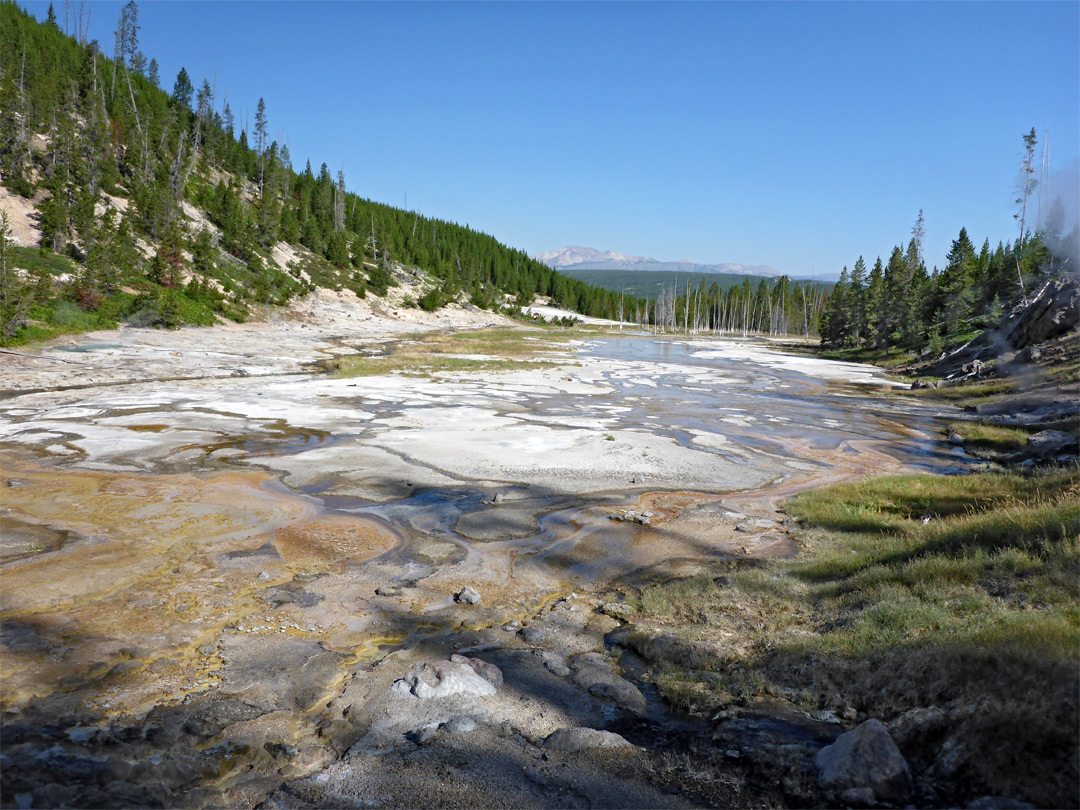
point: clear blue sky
(798, 135)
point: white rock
(438, 679)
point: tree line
(899, 304)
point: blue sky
(798, 135)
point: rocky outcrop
(1047, 444)
(593, 672)
(865, 758)
(1055, 310)
(581, 739)
(460, 675)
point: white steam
(1059, 214)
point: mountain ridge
(586, 258)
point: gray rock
(1055, 310)
(533, 635)
(557, 669)
(618, 610)
(468, 596)
(865, 757)
(632, 516)
(1048, 443)
(951, 759)
(594, 672)
(281, 750)
(581, 739)
(1032, 354)
(438, 679)
(858, 797)
(998, 803)
(459, 724)
(422, 734)
(489, 672)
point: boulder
(581, 739)
(594, 672)
(1049, 443)
(1055, 310)
(438, 679)
(422, 734)
(998, 803)
(865, 757)
(489, 672)
(1032, 354)
(618, 610)
(459, 724)
(468, 596)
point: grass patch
(35, 260)
(911, 591)
(498, 350)
(975, 391)
(360, 366)
(885, 358)
(984, 437)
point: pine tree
(855, 316)
(1026, 182)
(955, 291)
(260, 141)
(877, 323)
(182, 89)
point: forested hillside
(154, 209)
(899, 304)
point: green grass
(500, 350)
(886, 358)
(910, 591)
(359, 366)
(35, 259)
(976, 391)
(985, 438)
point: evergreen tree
(1026, 182)
(955, 291)
(877, 321)
(855, 317)
(182, 89)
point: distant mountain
(584, 258)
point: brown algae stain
(140, 586)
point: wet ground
(272, 551)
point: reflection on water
(766, 408)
